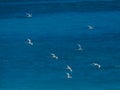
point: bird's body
(97, 65)
(90, 27)
(68, 75)
(29, 41)
(69, 68)
(29, 15)
(54, 56)
(79, 47)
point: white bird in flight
(29, 41)
(54, 56)
(90, 27)
(79, 47)
(68, 75)
(97, 65)
(29, 15)
(69, 68)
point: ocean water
(57, 27)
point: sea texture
(59, 27)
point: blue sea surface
(58, 28)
